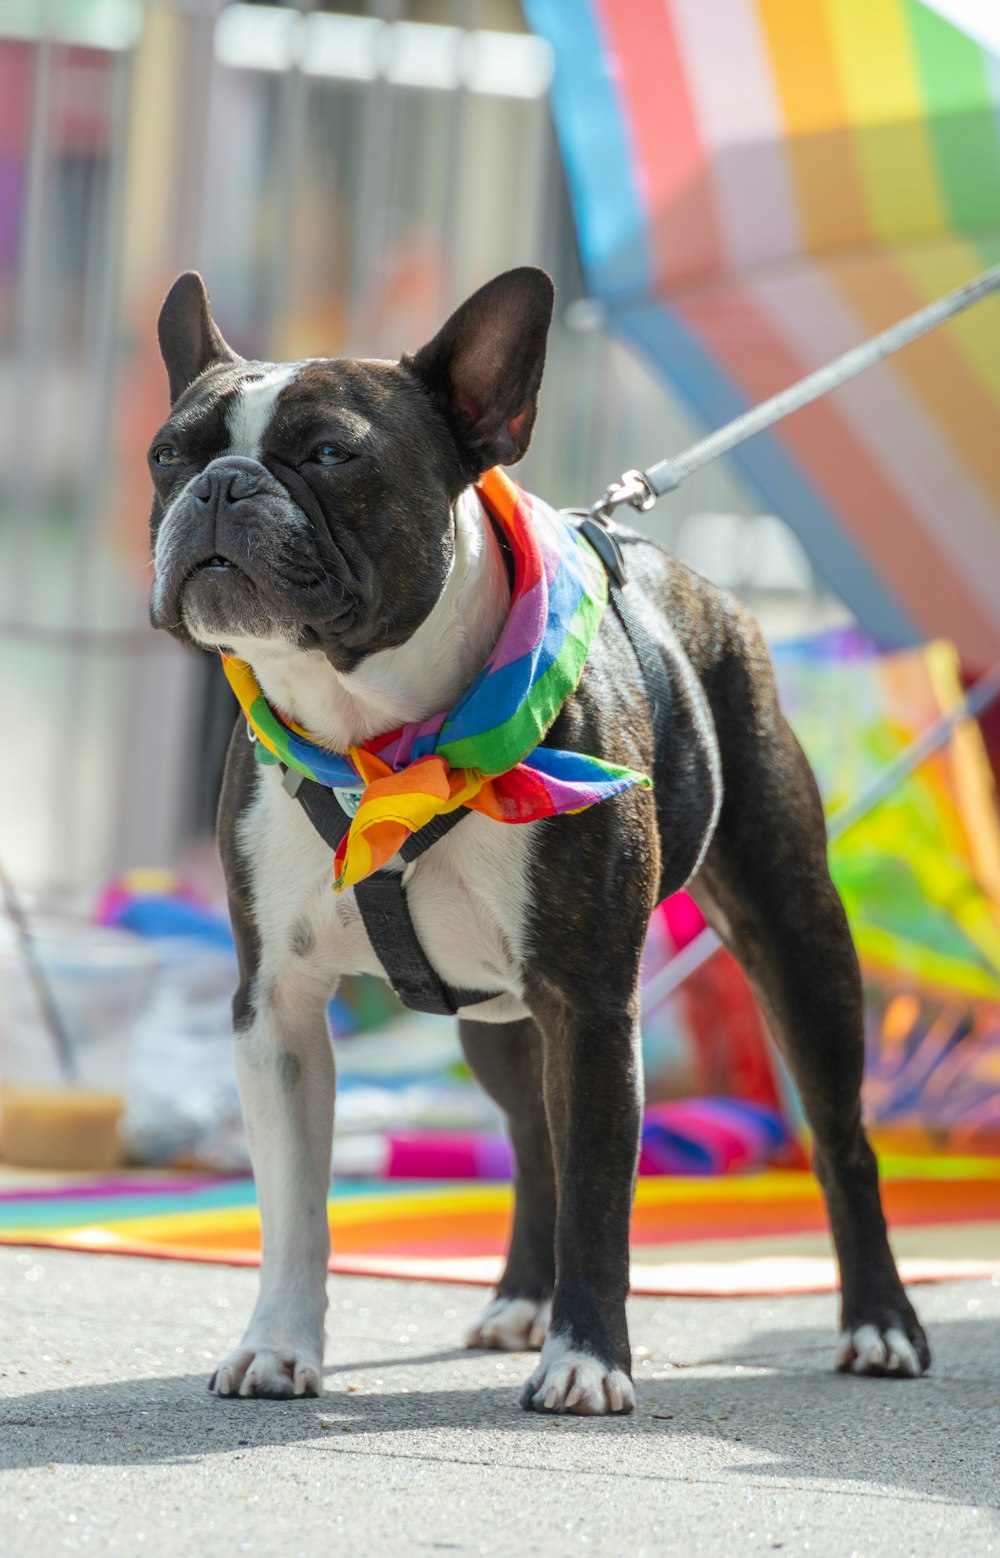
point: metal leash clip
(598, 526)
(631, 488)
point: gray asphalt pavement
(744, 1441)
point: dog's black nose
(226, 482)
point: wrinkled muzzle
(235, 553)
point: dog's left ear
(485, 365)
(190, 340)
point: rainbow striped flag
(484, 753)
(719, 1237)
(760, 184)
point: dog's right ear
(190, 340)
(484, 367)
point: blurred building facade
(341, 179)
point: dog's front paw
(274, 1372)
(512, 1324)
(894, 1346)
(570, 1380)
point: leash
(641, 489)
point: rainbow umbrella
(760, 184)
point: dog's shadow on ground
(796, 1421)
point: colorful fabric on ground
(751, 207)
(759, 1234)
(484, 753)
(688, 1136)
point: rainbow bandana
(484, 753)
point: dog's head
(311, 502)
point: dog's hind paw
(570, 1380)
(897, 1351)
(512, 1324)
(271, 1373)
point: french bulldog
(320, 520)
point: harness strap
(385, 913)
(607, 542)
(381, 898)
(650, 658)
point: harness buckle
(598, 528)
(291, 782)
(599, 531)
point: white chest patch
(468, 898)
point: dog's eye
(329, 454)
(166, 454)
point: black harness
(381, 897)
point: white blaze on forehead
(253, 408)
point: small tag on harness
(349, 800)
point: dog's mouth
(217, 598)
(216, 578)
(210, 597)
(218, 594)
(214, 565)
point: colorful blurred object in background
(920, 879)
(760, 184)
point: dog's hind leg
(766, 887)
(507, 1060)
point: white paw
(275, 1372)
(867, 1350)
(567, 1380)
(512, 1325)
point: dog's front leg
(592, 1084)
(285, 1074)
